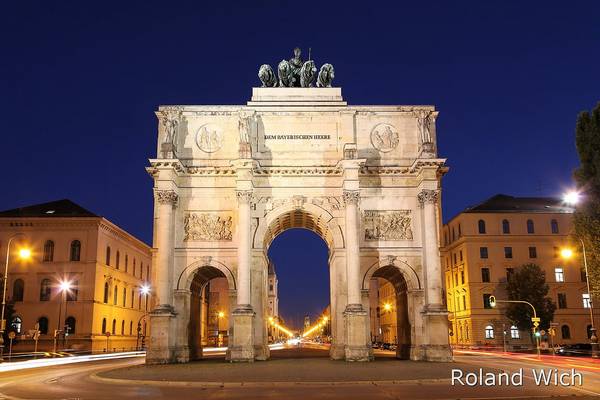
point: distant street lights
(573, 198)
(64, 287)
(145, 290)
(535, 320)
(24, 254)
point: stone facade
(364, 178)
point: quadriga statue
(326, 75)
(286, 75)
(267, 76)
(307, 74)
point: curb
(119, 381)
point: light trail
(49, 362)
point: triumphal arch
(229, 179)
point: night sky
(79, 85)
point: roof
(59, 208)
(505, 203)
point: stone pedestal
(355, 320)
(437, 347)
(161, 349)
(337, 352)
(241, 348)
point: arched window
(141, 270)
(103, 325)
(514, 332)
(123, 327)
(124, 296)
(132, 297)
(481, 226)
(43, 325)
(505, 226)
(130, 328)
(75, 253)
(16, 323)
(107, 255)
(148, 272)
(70, 325)
(114, 327)
(18, 290)
(565, 331)
(115, 294)
(118, 260)
(554, 226)
(489, 332)
(45, 290)
(73, 293)
(530, 226)
(134, 266)
(140, 302)
(48, 251)
(105, 292)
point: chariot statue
(296, 73)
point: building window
(459, 231)
(114, 327)
(134, 266)
(464, 302)
(460, 256)
(485, 274)
(70, 325)
(481, 226)
(48, 251)
(530, 226)
(16, 324)
(453, 234)
(45, 290)
(532, 252)
(118, 259)
(483, 252)
(124, 296)
(18, 290)
(514, 332)
(107, 255)
(554, 226)
(103, 325)
(140, 302)
(132, 297)
(141, 270)
(148, 272)
(115, 295)
(73, 293)
(562, 300)
(130, 328)
(462, 277)
(586, 300)
(105, 293)
(508, 252)
(123, 327)
(43, 325)
(565, 331)
(509, 273)
(126, 262)
(486, 300)
(454, 257)
(505, 226)
(559, 274)
(489, 332)
(75, 252)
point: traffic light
(493, 301)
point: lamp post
(24, 254)
(535, 318)
(145, 290)
(567, 254)
(64, 287)
(572, 198)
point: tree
(528, 283)
(587, 176)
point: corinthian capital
(428, 196)
(166, 196)
(244, 196)
(351, 197)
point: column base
(356, 347)
(182, 354)
(336, 352)
(261, 353)
(436, 346)
(242, 346)
(160, 349)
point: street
(293, 373)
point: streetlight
(145, 290)
(536, 321)
(571, 197)
(567, 253)
(24, 254)
(387, 307)
(64, 287)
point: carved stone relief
(207, 227)
(387, 225)
(384, 137)
(209, 138)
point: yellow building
(384, 317)
(484, 244)
(84, 278)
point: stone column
(436, 346)
(167, 200)
(356, 346)
(433, 271)
(242, 346)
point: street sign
(542, 332)
(552, 331)
(535, 319)
(536, 324)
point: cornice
(297, 171)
